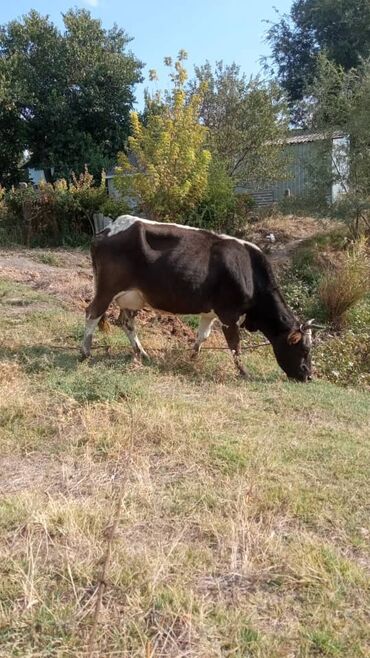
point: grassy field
(243, 529)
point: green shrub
(114, 207)
(305, 204)
(222, 209)
(344, 359)
(56, 214)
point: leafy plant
(167, 171)
(59, 213)
(340, 29)
(246, 120)
(64, 95)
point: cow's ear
(294, 337)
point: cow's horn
(310, 324)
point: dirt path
(65, 274)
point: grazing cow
(179, 269)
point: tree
(11, 147)
(246, 120)
(338, 28)
(342, 101)
(71, 92)
(166, 167)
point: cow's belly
(132, 300)
(135, 300)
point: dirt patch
(70, 283)
(288, 228)
(280, 236)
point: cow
(180, 269)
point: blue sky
(231, 30)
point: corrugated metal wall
(300, 156)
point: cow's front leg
(204, 330)
(127, 319)
(232, 335)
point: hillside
(236, 513)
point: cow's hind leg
(232, 335)
(127, 319)
(204, 330)
(94, 314)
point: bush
(344, 286)
(309, 203)
(55, 214)
(344, 359)
(222, 209)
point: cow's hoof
(244, 374)
(83, 357)
(140, 358)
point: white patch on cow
(132, 300)
(121, 224)
(134, 340)
(243, 242)
(128, 325)
(89, 330)
(241, 320)
(204, 329)
(124, 222)
(252, 245)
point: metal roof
(302, 138)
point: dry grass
(244, 528)
(342, 287)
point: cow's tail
(104, 324)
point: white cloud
(92, 3)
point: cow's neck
(272, 315)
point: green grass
(244, 529)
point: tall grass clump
(342, 287)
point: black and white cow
(179, 269)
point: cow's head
(293, 352)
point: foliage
(344, 286)
(344, 359)
(66, 95)
(342, 101)
(59, 213)
(217, 211)
(168, 163)
(11, 144)
(339, 28)
(246, 119)
(341, 357)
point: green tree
(72, 90)
(246, 121)
(338, 28)
(166, 167)
(342, 101)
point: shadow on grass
(216, 367)
(212, 366)
(40, 358)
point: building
(303, 150)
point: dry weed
(343, 287)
